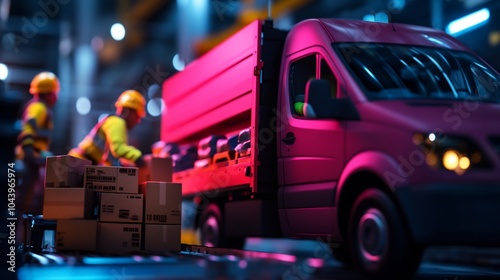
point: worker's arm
(115, 130)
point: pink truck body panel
(217, 92)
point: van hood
(451, 116)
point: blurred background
(98, 48)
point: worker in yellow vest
(107, 144)
(33, 146)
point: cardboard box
(118, 238)
(112, 179)
(64, 171)
(162, 202)
(76, 235)
(68, 203)
(161, 238)
(156, 169)
(121, 207)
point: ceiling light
(468, 22)
(117, 31)
(4, 71)
(178, 63)
(83, 105)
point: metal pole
(437, 14)
(269, 8)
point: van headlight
(451, 152)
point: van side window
(300, 72)
(327, 74)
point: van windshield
(388, 71)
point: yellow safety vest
(106, 143)
(42, 115)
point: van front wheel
(380, 244)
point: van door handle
(289, 138)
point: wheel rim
(210, 232)
(373, 236)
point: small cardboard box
(162, 202)
(64, 171)
(118, 238)
(68, 203)
(111, 179)
(161, 238)
(76, 235)
(121, 207)
(156, 169)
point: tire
(210, 226)
(211, 230)
(380, 244)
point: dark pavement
(295, 260)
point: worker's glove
(140, 162)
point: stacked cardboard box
(156, 169)
(120, 207)
(162, 206)
(71, 205)
(162, 215)
(100, 208)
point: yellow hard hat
(44, 82)
(132, 99)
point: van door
(310, 150)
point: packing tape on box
(163, 195)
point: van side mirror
(318, 97)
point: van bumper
(452, 214)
